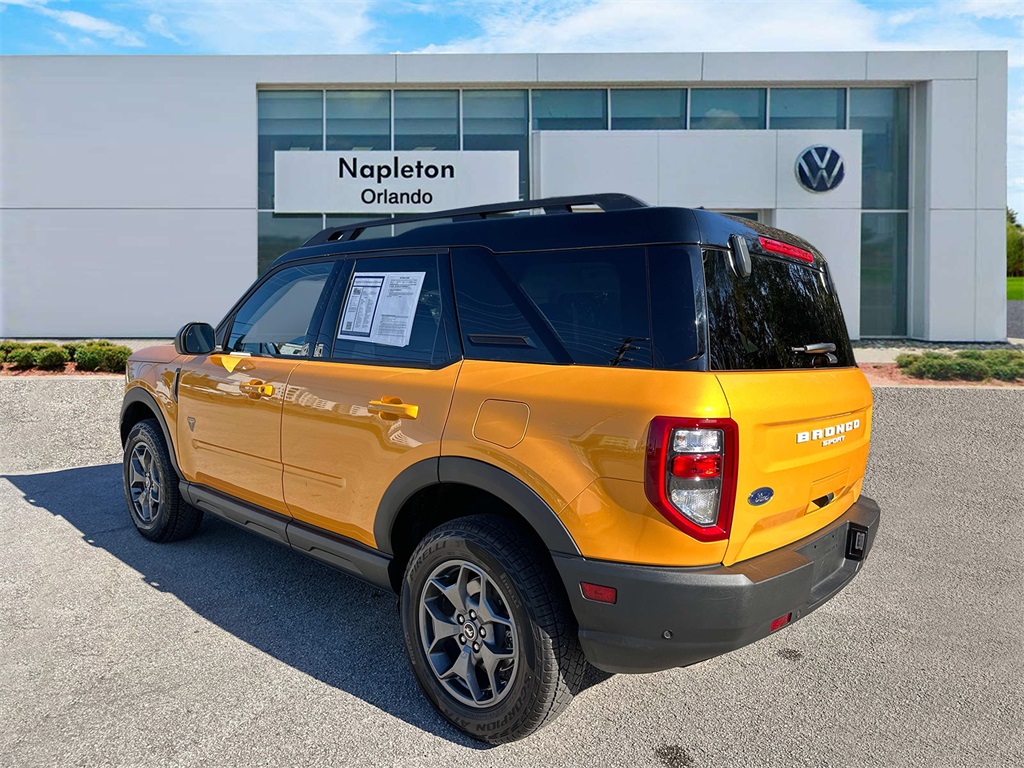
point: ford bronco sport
(632, 437)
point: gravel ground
(228, 650)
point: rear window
(755, 322)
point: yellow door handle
(257, 388)
(393, 407)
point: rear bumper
(710, 610)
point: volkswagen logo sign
(820, 169)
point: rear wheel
(487, 629)
(151, 487)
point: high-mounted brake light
(691, 474)
(785, 249)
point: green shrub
(51, 359)
(940, 368)
(969, 369)
(1007, 371)
(113, 359)
(100, 343)
(972, 354)
(8, 346)
(71, 347)
(906, 360)
(88, 357)
(37, 346)
(23, 359)
(3, 356)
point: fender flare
(142, 395)
(478, 474)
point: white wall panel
(717, 169)
(909, 66)
(951, 276)
(784, 67)
(84, 132)
(990, 276)
(836, 233)
(122, 273)
(618, 68)
(952, 144)
(991, 169)
(574, 162)
(466, 68)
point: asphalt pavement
(229, 650)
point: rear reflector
(785, 249)
(780, 622)
(690, 465)
(599, 593)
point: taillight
(691, 474)
(785, 249)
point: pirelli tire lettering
(829, 435)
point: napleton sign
(392, 182)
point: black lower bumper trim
(671, 617)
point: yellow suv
(564, 431)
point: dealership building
(138, 193)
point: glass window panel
(883, 114)
(498, 120)
(648, 109)
(427, 342)
(427, 120)
(274, 321)
(279, 233)
(575, 110)
(287, 120)
(794, 108)
(727, 108)
(883, 274)
(594, 300)
(358, 120)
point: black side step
(336, 551)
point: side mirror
(739, 256)
(195, 339)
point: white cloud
(991, 9)
(157, 25)
(518, 26)
(266, 26)
(94, 26)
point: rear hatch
(804, 415)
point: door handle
(393, 407)
(256, 388)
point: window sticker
(380, 307)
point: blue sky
(388, 26)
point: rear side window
(595, 301)
(755, 322)
(392, 313)
(273, 322)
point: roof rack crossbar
(551, 205)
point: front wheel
(151, 487)
(488, 631)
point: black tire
(528, 595)
(148, 474)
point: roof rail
(609, 201)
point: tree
(1014, 245)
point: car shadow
(319, 621)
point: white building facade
(138, 193)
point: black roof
(510, 227)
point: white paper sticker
(380, 307)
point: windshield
(755, 323)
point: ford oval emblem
(760, 496)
